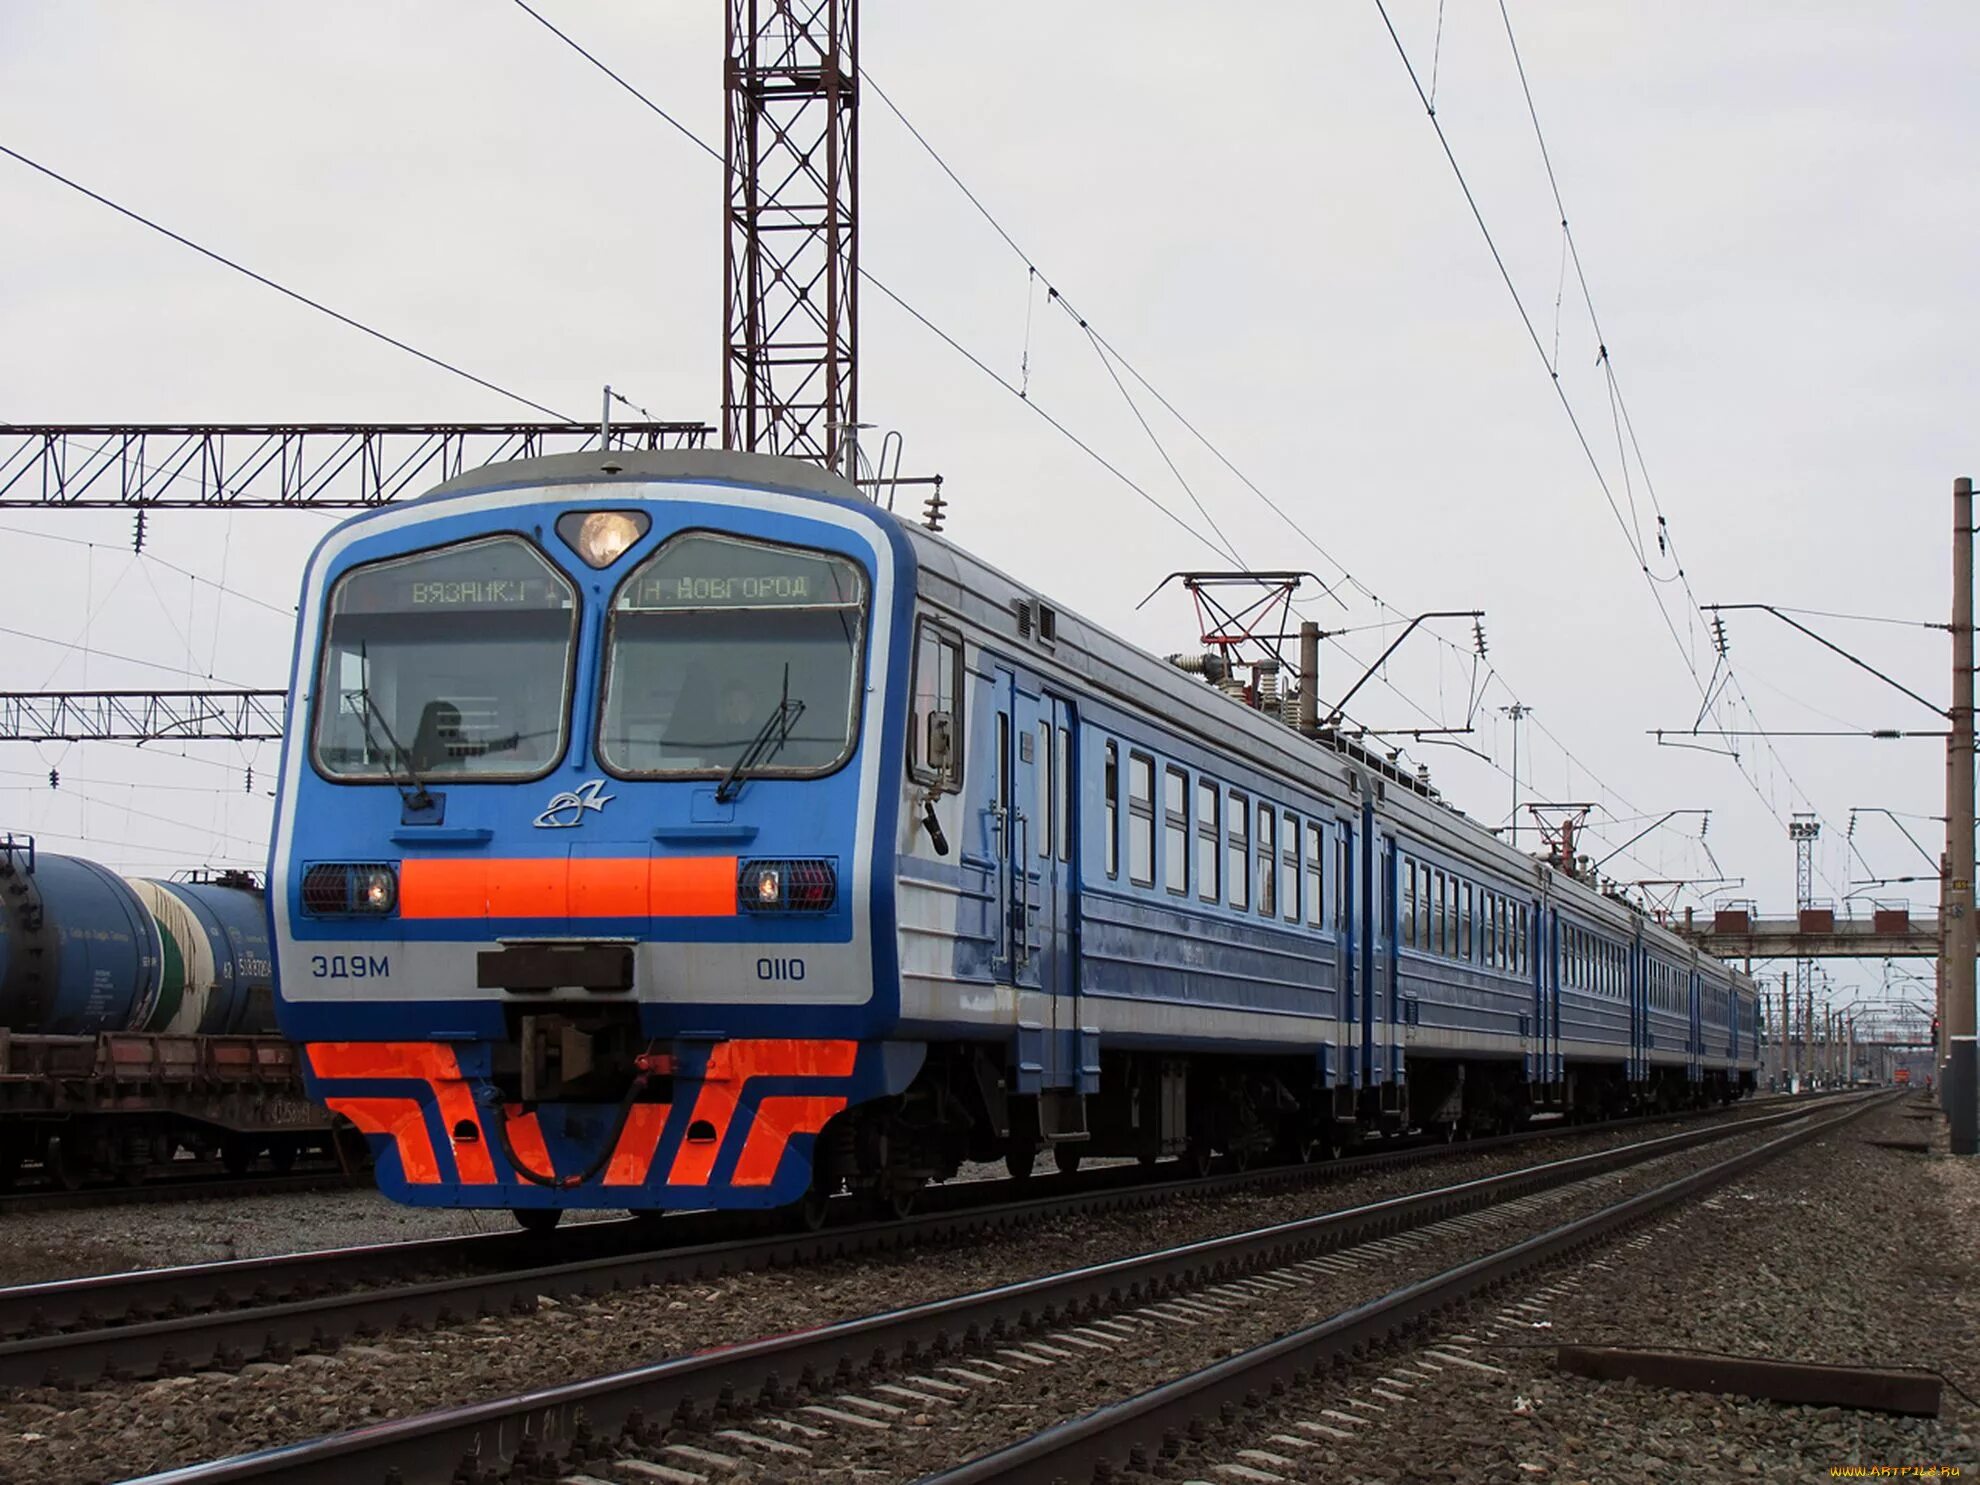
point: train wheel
(895, 1201)
(237, 1156)
(1066, 1158)
(282, 1155)
(66, 1160)
(1197, 1158)
(815, 1209)
(1019, 1161)
(538, 1220)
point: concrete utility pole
(1962, 1077)
(1787, 1036)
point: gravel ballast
(1844, 1252)
(113, 1431)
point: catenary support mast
(1962, 1075)
(791, 254)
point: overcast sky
(1774, 207)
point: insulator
(1210, 665)
(54, 778)
(933, 509)
(137, 532)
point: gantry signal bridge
(1740, 932)
(282, 466)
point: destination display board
(712, 572)
(502, 575)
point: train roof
(991, 598)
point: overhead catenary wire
(1058, 297)
(1626, 427)
(316, 304)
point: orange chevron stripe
(777, 1119)
(405, 1122)
(432, 1063)
(526, 1139)
(632, 1157)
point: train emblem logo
(566, 810)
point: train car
(685, 830)
(137, 1021)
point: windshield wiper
(416, 796)
(771, 736)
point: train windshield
(453, 663)
(726, 652)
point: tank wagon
(685, 830)
(137, 1019)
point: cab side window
(938, 719)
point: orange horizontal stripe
(426, 1061)
(563, 887)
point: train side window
(1425, 909)
(938, 699)
(1465, 949)
(1047, 792)
(1240, 852)
(1519, 930)
(1111, 787)
(1003, 765)
(1209, 842)
(1408, 927)
(1316, 898)
(1062, 773)
(1175, 831)
(1498, 924)
(1343, 878)
(1442, 918)
(1289, 869)
(1488, 929)
(1141, 819)
(1268, 859)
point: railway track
(226, 1314)
(1146, 1432)
(769, 1397)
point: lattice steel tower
(1803, 830)
(791, 259)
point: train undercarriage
(1204, 1109)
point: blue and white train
(684, 830)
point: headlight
(807, 886)
(601, 536)
(769, 886)
(377, 890)
(367, 889)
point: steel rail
(1152, 1425)
(107, 1301)
(572, 1419)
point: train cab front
(574, 863)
